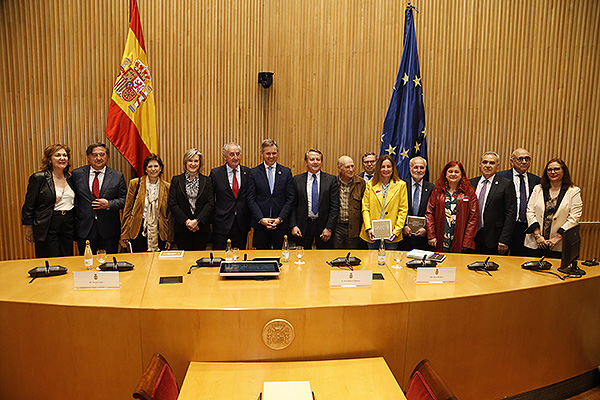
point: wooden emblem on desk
(278, 334)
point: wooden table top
(363, 378)
(296, 287)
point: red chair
(158, 381)
(426, 384)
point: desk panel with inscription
(506, 332)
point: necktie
(522, 199)
(96, 186)
(368, 176)
(416, 198)
(482, 202)
(271, 179)
(315, 195)
(235, 186)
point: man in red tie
(100, 193)
(231, 214)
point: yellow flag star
(424, 132)
(382, 135)
(417, 147)
(405, 78)
(417, 81)
(391, 150)
(404, 153)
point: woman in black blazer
(191, 201)
(48, 211)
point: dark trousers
(188, 240)
(313, 234)
(481, 248)
(59, 240)
(236, 234)
(539, 253)
(140, 243)
(517, 244)
(414, 242)
(267, 239)
(341, 240)
(111, 244)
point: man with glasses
(368, 161)
(524, 182)
(100, 193)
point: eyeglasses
(369, 162)
(523, 159)
(553, 170)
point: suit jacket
(262, 203)
(113, 189)
(226, 204)
(467, 218)
(357, 190)
(396, 207)
(427, 188)
(39, 203)
(532, 180)
(329, 202)
(180, 206)
(500, 211)
(362, 175)
(566, 216)
(133, 213)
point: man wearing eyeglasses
(368, 161)
(524, 182)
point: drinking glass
(101, 256)
(299, 254)
(398, 256)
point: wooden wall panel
(495, 77)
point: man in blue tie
(316, 204)
(497, 207)
(270, 196)
(419, 191)
(524, 182)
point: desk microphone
(485, 266)
(46, 270)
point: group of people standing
(495, 213)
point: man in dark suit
(270, 197)
(317, 204)
(231, 214)
(100, 193)
(497, 207)
(524, 182)
(419, 191)
(368, 161)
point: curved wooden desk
(488, 336)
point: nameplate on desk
(350, 278)
(96, 279)
(287, 391)
(436, 275)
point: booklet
(382, 228)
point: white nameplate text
(350, 278)
(96, 279)
(436, 275)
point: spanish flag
(131, 125)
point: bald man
(520, 161)
(351, 189)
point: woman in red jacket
(452, 212)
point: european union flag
(404, 133)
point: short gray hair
(189, 155)
(490, 152)
(410, 163)
(231, 144)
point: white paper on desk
(166, 254)
(436, 275)
(287, 390)
(382, 228)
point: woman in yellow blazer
(385, 198)
(147, 223)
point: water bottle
(285, 250)
(228, 251)
(381, 253)
(88, 257)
